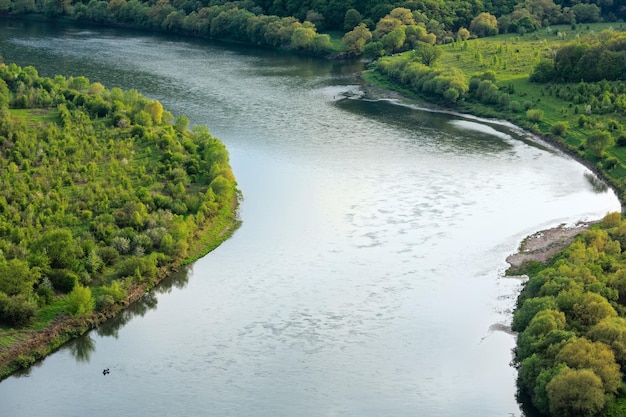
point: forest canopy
(306, 25)
(99, 190)
(571, 348)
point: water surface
(367, 277)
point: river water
(367, 278)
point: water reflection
(430, 127)
(82, 348)
(597, 184)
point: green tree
(302, 37)
(580, 353)
(575, 392)
(463, 34)
(374, 50)
(485, 24)
(16, 277)
(59, 247)
(393, 41)
(80, 302)
(155, 110)
(352, 19)
(427, 54)
(592, 309)
(598, 141)
(612, 332)
(356, 39)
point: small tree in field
(598, 141)
(534, 115)
(559, 128)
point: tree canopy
(99, 189)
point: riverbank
(30, 346)
(538, 247)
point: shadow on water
(147, 302)
(596, 183)
(81, 348)
(440, 126)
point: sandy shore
(543, 245)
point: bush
(108, 254)
(559, 128)
(16, 311)
(104, 301)
(79, 301)
(534, 115)
(63, 280)
(610, 163)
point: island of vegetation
(556, 68)
(102, 194)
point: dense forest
(571, 349)
(102, 190)
(306, 25)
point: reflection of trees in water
(597, 184)
(82, 348)
(25, 372)
(147, 302)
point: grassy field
(513, 57)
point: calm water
(367, 277)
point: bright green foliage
(16, 277)
(580, 353)
(612, 332)
(79, 301)
(104, 186)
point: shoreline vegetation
(554, 70)
(103, 195)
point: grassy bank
(560, 112)
(103, 194)
(20, 348)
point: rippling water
(367, 277)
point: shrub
(63, 280)
(559, 128)
(534, 115)
(104, 301)
(16, 311)
(79, 301)
(610, 163)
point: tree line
(100, 189)
(297, 24)
(591, 58)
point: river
(367, 278)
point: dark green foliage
(16, 311)
(593, 58)
(63, 280)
